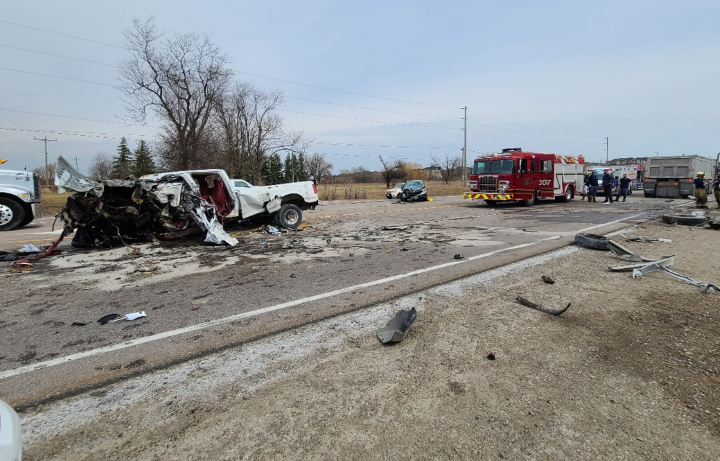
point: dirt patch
(629, 371)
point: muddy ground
(630, 371)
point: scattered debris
(684, 219)
(78, 324)
(624, 253)
(593, 241)
(51, 250)
(655, 266)
(458, 256)
(491, 356)
(394, 228)
(668, 261)
(115, 317)
(397, 327)
(715, 224)
(532, 305)
(109, 318)
(643, 239)
(547, 279)
(29, 248)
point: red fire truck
(514, 175)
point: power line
(55, 76)
(532, 136)
(64, 35)
(80, 134)
(78, 118)
(370, 108)
(371, 145)
(58, 55)
(21, 120)
(362, 120)
(529, 127)
(347, 92)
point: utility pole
(76, 165)
(45, 139)
(607, 150)
(464, 156)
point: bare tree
(47, 176)
(317, 165)
(391, 171)
(449, 167)
(250, 130)
(101, 166)
(362, 175)
(179, 79)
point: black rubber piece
(593, 241)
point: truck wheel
(12, 214)
(596, 242)
(29, 217)
(289, 216)
(568, 195)
(530, 201)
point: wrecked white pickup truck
(172, 205)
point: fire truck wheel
(530, 201)
(568, 195)
(491, 202)
(596, 242)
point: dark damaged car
(171, 205)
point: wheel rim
(568, 193)
(6, 214)
(291, 217)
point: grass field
(53, 202)
(377, 190)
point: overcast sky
(390, 78)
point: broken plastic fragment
(29, 248)
(135, 315)
(109, 318)
(395, 330)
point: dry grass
(355, 191)
(52, 201)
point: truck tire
(596, 242)
(29, 217)
(289, 216)
(530, 201)
(12, 214)
(568, 195)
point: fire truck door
(545, 179)
(528, 175)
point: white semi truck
(19, 198)
(672, 177)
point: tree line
(207, 118)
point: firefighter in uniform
(716, 188)
(699, 192)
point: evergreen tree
(295, 168)
(273, 170)
(144, 163)
(122, 166)
(287, 169)
(301, 173)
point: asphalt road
(201, 299)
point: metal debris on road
(655, 266)
(547, 279)
(397, 327)
(644, 239)
(116, 317)
(532, 305)
(458, 256)
(668, 261)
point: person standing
(624, 188)
(699, 192)
(716, 188)
(607, 183)
(592, 183)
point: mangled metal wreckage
(170, 205)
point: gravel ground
(630, 371)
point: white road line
(265, 310)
